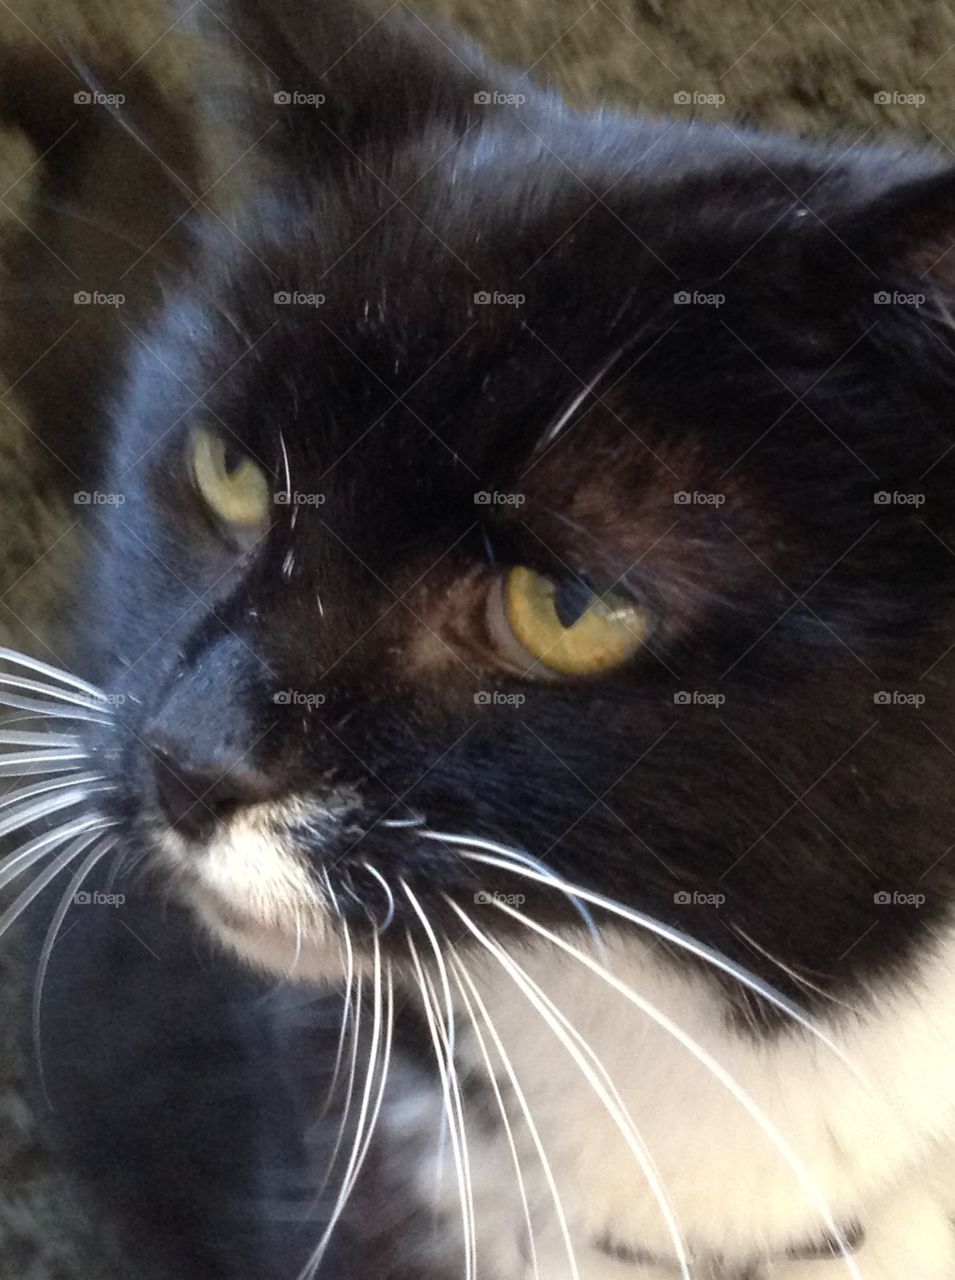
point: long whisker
(445, 1069)
(349, 980)
(16, 863)
(89, 862)
(21, 763)
(518, 855)
(17, 659)
(359, 1147)
(28, 896)
(352, 1077)
(27, 813)
(505, 1118)
(705, 1059)
(604, 1088)
(387, 888)
(684, 941)
(56, 784)
(64, 708)
(532, 1129)
(24, 738)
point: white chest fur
(828, 1134)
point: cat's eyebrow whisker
(15, 658)
(379, 1061)
(532, 1129)
(388, 891)
(49, 873)
(706, 1059)
(478, 843)
(446, 1070)
(89, 862)
(22, 859)
(600, 1081)
(505, 1118)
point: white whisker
(352, 1077)
(367, 1116)
(28, 896)
(54, 673)
(529, 1119)
(56, 784)
(445, 1069)
(605, 1089)
(707, 1060)
(23, 738)
(682, 940)
(349, 981)
(89, 862)
(20, 763)
(391, 897)
(71, 708)
(28, 813)
(517, 855)
(505, 1118)
(16, 863)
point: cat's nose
(198, 788)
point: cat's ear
(909, 231)
(328, 76)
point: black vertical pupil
(571, 601)
(233, 457)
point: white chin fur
(258, 897)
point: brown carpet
(854, 67)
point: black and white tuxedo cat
(520, 622)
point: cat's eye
(233, 486)
(565, 626)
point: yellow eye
(235, 488)
(567, 627)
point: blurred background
(858, 69)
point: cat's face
(542, 518)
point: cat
(506, 826)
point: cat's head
(518, 499)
